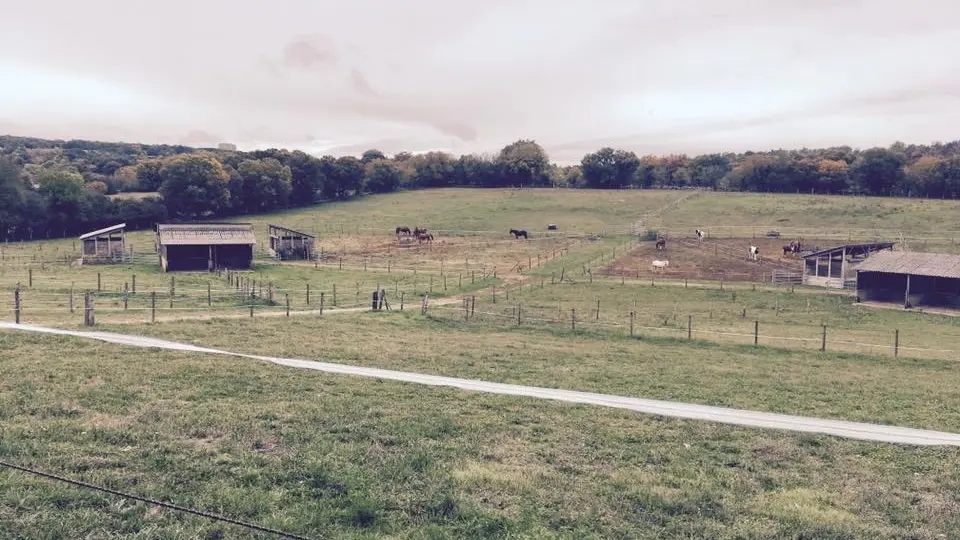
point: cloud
(670, 75)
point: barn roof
(110, 229)
(297, 233)
(194, 234)
(874, 246)
(917, 264)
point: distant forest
(51, 188)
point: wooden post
(896, 342)
(721, 284)
(92, 300)
(270, 292)
(598, 308)
(906, 294)
(823, 339)
(286, 297)
(251, 308)
(133, 284)
(334, 295)
(341, 265)
(689, 326)
(562, 270)
(444, 282)
(30, 278)
(209, 295)
(573, 319)
(743, 314)
(98, 281)
(401, 301)
(171, 301)
(125, 293)
(473, 276)
(71, 299)
(16, 305)
(473, 305)
(684, 283)
(756, 332)
(631, 322)
(518, 314)
(460, 281)
(173, 286)
(321, 302)
(153, 307)
(308, 294)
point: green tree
(523, 162)
(63, 191)
(608, 168)
(265, 185)
(194, 185)
(306, 178)
(878, 171)
(150, 175)
(434, 169)
(382, 176)
(13, 194)
(372, 155)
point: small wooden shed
(105, 246)
(289, 244)
(205, 246)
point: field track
(738, 417)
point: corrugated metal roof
(205, 234)
(917, 264)
(104, 231)
(876, 246)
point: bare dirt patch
(715, 259)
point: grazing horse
(518, 233)
(661, 243)
(417, 231)
(793, 247)
(755, 253)
(403, 230)
(424, 237)
(699, 236)
(660, 265)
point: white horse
(660, 265)
(755, 253)
(700, 236)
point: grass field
(329, 456)
(332, 456)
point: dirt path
(738, 417)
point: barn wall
(292, 247)
(233, 257)
(881, 287)
(187, 258)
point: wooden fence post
(173, 285)
(322, 294)
(125, 297)
(756, 332)
(16, 305)
(573, 319)
(823, 339)
(473, 305)
(631, 322)
(251, 308)
(401, 300)
(598, 308)
(896, 343)
(689, 326)
(153, 306)
(133, 283)
(30, 278)
(286, 297)
(98, 281)
(209, 295)
(518, 314)
(334, 295)
(71, 299)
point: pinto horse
(755, 253)
(518, 233)
(661, 243)
(699, 236)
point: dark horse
(424, 237)
(417, 231)
(794, 247)
(404, 230)
(661, 243)
(518, 233)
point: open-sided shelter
(289, 244)
(913, 279)
(205, 246)
(836, 267)
(105, 246)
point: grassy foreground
(328, 456)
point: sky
(463, 76)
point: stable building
(911, 279)
(105, 246)
(288, 244)
(205, 246)
(837, 267)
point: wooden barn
(288, 244)
(205, 246)
(105, 246)
(836, 267)
(911, 279)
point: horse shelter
(288, 244)
(105, 246)
(205, 246)
(836, 267)
(910, 278)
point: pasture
(578, 308)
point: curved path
(738, 417)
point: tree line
(64, 188)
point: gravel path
(738, 417)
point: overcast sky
(652, 76)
